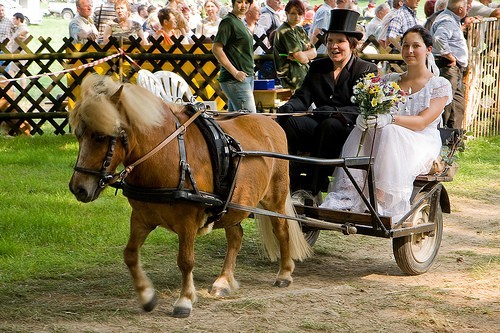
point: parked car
(65, 8)
(32, 15)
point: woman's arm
(305, 56)
(140, 34)
(218, 51)
(424, 118)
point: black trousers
(453, 115)
(320, 137)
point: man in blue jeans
(233, 48)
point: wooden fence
(482, 81)
(54, 75)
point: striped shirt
(404, 18)
(6, 27)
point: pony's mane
(97, 108)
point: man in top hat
(328, 86)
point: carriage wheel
(304, 197)
(415, 254)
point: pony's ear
(116, 96)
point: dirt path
(352, 284)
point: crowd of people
(434, 61)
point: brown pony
(109, 111)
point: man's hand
(92, 36)
(240, 76)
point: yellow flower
(375, 90)
(374, 102)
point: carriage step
(434, 178)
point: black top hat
(344, 21)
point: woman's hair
(233, 1)
(215, 2)
(297, 4)
(182, 23)
(353, 43)
(164, 14)
(424, 33)
(151, 8)
(123, 2)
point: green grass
(62, 260)
(479, 170)
(45, 231)
(43, 228)
(53, 27)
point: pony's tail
(299, 248)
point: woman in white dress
(405, 142)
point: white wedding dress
(400, 155)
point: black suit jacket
(319, 87)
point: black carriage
(416, 237)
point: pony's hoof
(282, 283)
(149, 306)
(181, 312)
(220, 292)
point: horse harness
(225, 153)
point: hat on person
(344, 21)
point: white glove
(379, 121)
(361, 123)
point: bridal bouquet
(374, 97)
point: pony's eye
(98, 138)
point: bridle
(105, 177)
(109, 178)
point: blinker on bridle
(105, 177)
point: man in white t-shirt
(373, 27)
(483, 9)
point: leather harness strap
(180, 130)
